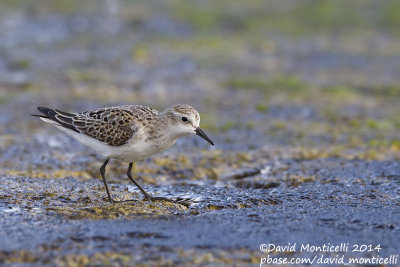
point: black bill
(203, 135)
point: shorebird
(129, 133)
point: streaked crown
(183, 114)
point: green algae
(280, 83)
(302, 18)
(263, 108)
(111, 258)
(62, 6)
(124, 210)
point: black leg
(102, 172)
(136, 183)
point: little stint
(129, 133)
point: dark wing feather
(54, 116)
(113, 126)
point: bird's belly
(135, 150)
(138, 150)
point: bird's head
(185, 120)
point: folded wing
(112, 126)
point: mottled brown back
(113, 125)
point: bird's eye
(184, 119)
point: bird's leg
(129, 173)
(102, 172)
(150, 198)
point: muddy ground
(301, 99)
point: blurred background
(309, 77)
(301, 98)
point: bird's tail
(56, 117)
